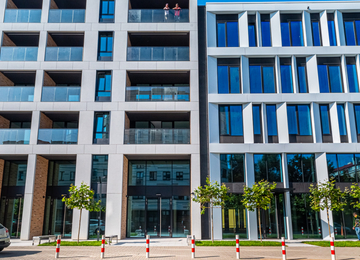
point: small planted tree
(209, 196)
(355, 193)
(80, 198)
(325, 196)
(258, 197)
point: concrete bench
(48, 238)
(110, 238)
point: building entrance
(11, 214)
(158, 216)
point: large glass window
(344, 167)
(14, 173)
(61, 173)
(227, 31)
(344, 220)
(234, 218)
(352, 74)
(107, 9)
(301, 167)
(291, 30)
(228, 76)
(286, 75)
(352, 28)
(252, 30)
(136, 216)
(342, 122)
(257, 123)
(231, 120)
(268, 167)
(271, 122)
(302, 78)
(325, 124)
(331, 26)
(103, 86)
(299, 122)
(357, 120)
(330, 79)
(232, 167)
(101, 127)
(265, 30)
(262, 75)
(105, 46)
(315, 26)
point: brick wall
(4, 123)
(2, 163)
(5, 81)
(45, 122)
(48, 81)
(127, 121)
(124, 198)
(39, 196)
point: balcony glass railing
(66, 15)
(60, 94)
(63, 53)
(158, 16)
(19, 53)
(157, 93)
(16, 94)
(14, 136)
(158, 54)
(157, 136)
(58, 136)
(22, 16)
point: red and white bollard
(57, 250)
(193, 246)
(302, 231)
(332, 248)
(269, 231)
(147, 246)
(283, 248)
(237, 247)
(319, 231)
(102, 254)
(335, 231)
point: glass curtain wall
(291, 30)
(234, 219)
(262, 75)
(232, 167)
(228, 76)
(330, 79)
(301, 167)
(268, 167)
(344, 220)
(352, 75)
(227, 31)
(352, 28)
(265, 30)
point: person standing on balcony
(177, 12)
(166, 8)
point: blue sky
(202, 2)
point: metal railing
(14, 136)
(157, 93)
(66, 15)
(63, 53)
(16, 94)
(22, 16)
(60, 94)
(18, 53)
(158, 16)
(157, 136)
(158, 53)
(58, 136)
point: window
(357, 120)
(107, 8)
(257, 124)
(234, 218)
(301, 167)
(286, 75)
(103, 86)
(227, 31)
(342, 123)
(315, 26)
(252, 30)
(231, 124)
(299, 123)
(265, 30)
(325, 124)
(352, 28)
(302, 78)
(228, 76)
(291, 30)
(232, 168)
(105, 46)
(329, 71)
(271, 123)
(344, 167)
(262, 75)
(331, 26)
(268, 167)
(352, 74)
(101, 128)
(166, 176)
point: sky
(202, 2)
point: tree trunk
(327, 213)
(259, 224)
(212, 224)
(79, 226)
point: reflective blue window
(268, 167)
(268, 79)
(223, 79)
(228, 76)
(257, 119)
(221, 35)
(231, 121)
(262, 75)
(329, 72)
(271, 120)
(105, 44)
(252, 30)
(286, 75)
(343, 167)
(265, 30)
(232, 34)
(331, 26)
(325, 119)
(315, 26)
(107, 9)
(103, 86)
(291, 30)
(292, 120)
(299, 120)
(352, 28)
(352, 74)
(302, 78)
(227, 31)
(357, 118)
(255, 79)
(341, 117)
(301, 167)
(101, 127)
(232, 167)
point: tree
(355, 193)
(258, 197)
(81, 198)
(325, 196)
(211, 195)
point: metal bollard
(57, 250)
(283, 248)
(193, 246)
(147, 246)
(102, 247)
(335, 231)
(237, 247)
(302, 231)
(319, 231)
(332, 248)
(269, 231)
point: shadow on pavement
(14, 253)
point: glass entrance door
(158, 217)
(11, 214)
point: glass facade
(352, 28)
(232, 167)
(231, 120)
(315, 29)
(299, 120)
(344, 167)
(227, 31)
(271, 122)
(331, 27)
(252, 30)
(301, 167)
(234, 219)
(286, 75)
(291, 30)
(330, 79)
(344, 221)
(268, 167)
(352, 74)
(228, 76)
(265, 30)
(105, 46)
(103, 86)
(262, 75)
(101, 127)
(302, 77)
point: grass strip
(74, 243)
(337, 243)
(241, 243)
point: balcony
(60, 94)
(22, 16)
(67, 16)
(16, 94)
(58, 136)
(158, 54)
(63, 53)
(157, 93)
(158, 16)
(14, 136)
(19, 46)
(157, 136)
(19, 53)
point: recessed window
(291, 30)
(262, 75)
(265, 30)
(286, 75)
(105, 52)
(357, 120)
(268, 167)
(103, 86)
(228, 76)
(325, 124)
(271, 123)
(352, 74)
(299, 123)
(315, 29)
(352, 28)
(302, 78)
(331, 26)
(252, 30)
(329, 70)
(227, 31)
(231, 124)
(342, 123)
(107, 10)
(101, 128)
(257, 124)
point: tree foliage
(355, 193)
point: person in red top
(177, 12)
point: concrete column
(195, 207)
(211, 29)
(92, 11)
(86, 126)
(278, 87)
(275, 29)
(214, 123)
(313, 123)
(243, 29)
(215, 176)
(357, 58)
(117, 127)
(248, 124)
(83, 174)
(295, 75)
(88, 85)
(258, 29)
(312, 74)
(344, 74)
(316, 123)
(306, 21)
(349, 109)
(125, 175)
(245, 75)
(282, 123)
(42, 45)
(264, 123)
(324, 30)
(90, 45)
(2, 10)
(288, 223)
(212, 75)
(35, 122)
(118, 79)
(334, 121)
(121, 11)
(339, 28)
(39, 83)
(251, 217)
